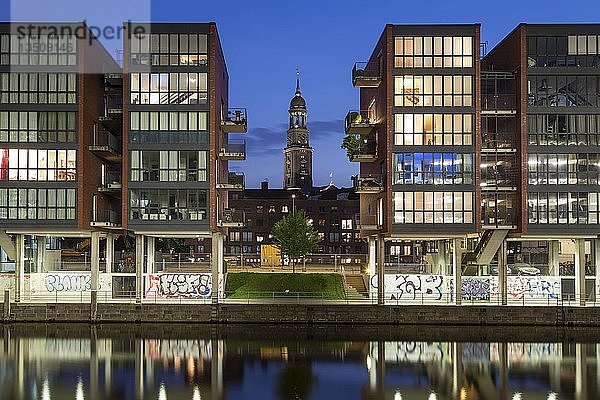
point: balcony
(368, 183)
(367, 222)
(360, 122)
(111, 184)
(230, 218)
(233, 151)
(234, 182)
(114, 79)
(106, 219)
(361, 149)
(106, 146)
(235, 122)
(498, 103)
(365, 75)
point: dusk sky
(264, 42)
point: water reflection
(86, 365)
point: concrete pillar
(457, 270)
(372, 257)
(216, 263)
(41, 254)
(553, 267)
(442, 258)
(110, 252)
(580, 271)
(380, 269)
(502, 279)
(20, 268)
(580, 372)
(139, 267)
(150, 255)
(95, 260)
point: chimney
(264, 185)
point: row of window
(562, 208)
(38, 126)
(563, 45)
(168, 121)
(37, 165)
(433, 90)
(563, 169)
(498, 131)
(169, 137)
(563, 91)
(433, 129)
(436, 52)
(28, 204)
(564, 139)
(169, 49)
(38, 88)
(169, 88)
(563, 123)
(433, 169)
(433, 207)
(38, 49)
(168, 166)
(168, 205)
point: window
(563, 91)
(563, 169)
(169, 49)
(38, 126)
(346, 224)
(169, 88)
(260, 238)
(433, 52)
(433, 207)
(167, 205)
(37, 165)
(234, 236)
(271, 209)
(284, 209)
(38, 50)
(177, 127)
(37, 204)
(433, 129)
(437, 90)
(259, 209)
(562, 208)
(168, 166)
(563, 129)
(38, 88)
(346, 237)
(433, 169)
(334, 237)
(246, 236)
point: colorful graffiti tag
(66, 282)
(179, 285)
(411, 287)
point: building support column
(502, 279)
(553, 264)
(596, 260)
(20, 268)
(580, 371)
(457, 270)
(41, 254)
(380, 270)
(150, 255)
(580, 271)
(216, 263)
(139, 267)
(371, 259)
(95, 260)
(442, 258)
(110, 252)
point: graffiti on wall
(475, 288)
(62, 282)
(411, 287)
(531, 287)
(179, 285)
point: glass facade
(433, 52)
(433, 90)
(169, 49)
(168, 127)
(563, 129)
(433, 169)
(168, 166)
(37, 204)
(38, 50)
(38, 88)
(433, 129)
(38, 126)
(440, 207)
(168, 205)
(169, 88)
(563, 51)
(37, 165)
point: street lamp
(293, 203)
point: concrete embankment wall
(303, 314)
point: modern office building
(481, 159)
(93, 150)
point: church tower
(297, 155)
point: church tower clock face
(298, 153)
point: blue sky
(264, 42)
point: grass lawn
(241, 285)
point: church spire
(298, 93)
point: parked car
(494, 270)
(525, 269)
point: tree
(294, 236)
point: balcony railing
(360, 122)
(231, 218)
(367, 222)
(111, 183)
(233, 151)
(365, 75)
(368, 183)
(105, 219)
(106, 145)
(234, 181)
(114, 79)
(503, 103)
(365, 152)
(236, 121)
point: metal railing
(235, 121)
(235, 148)
(365, 74)
(500, 102)
(373, 183)
(105, 138)
(231, 218)
(234, 180)
(366, 150)
(105, 216)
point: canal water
(194, 362)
